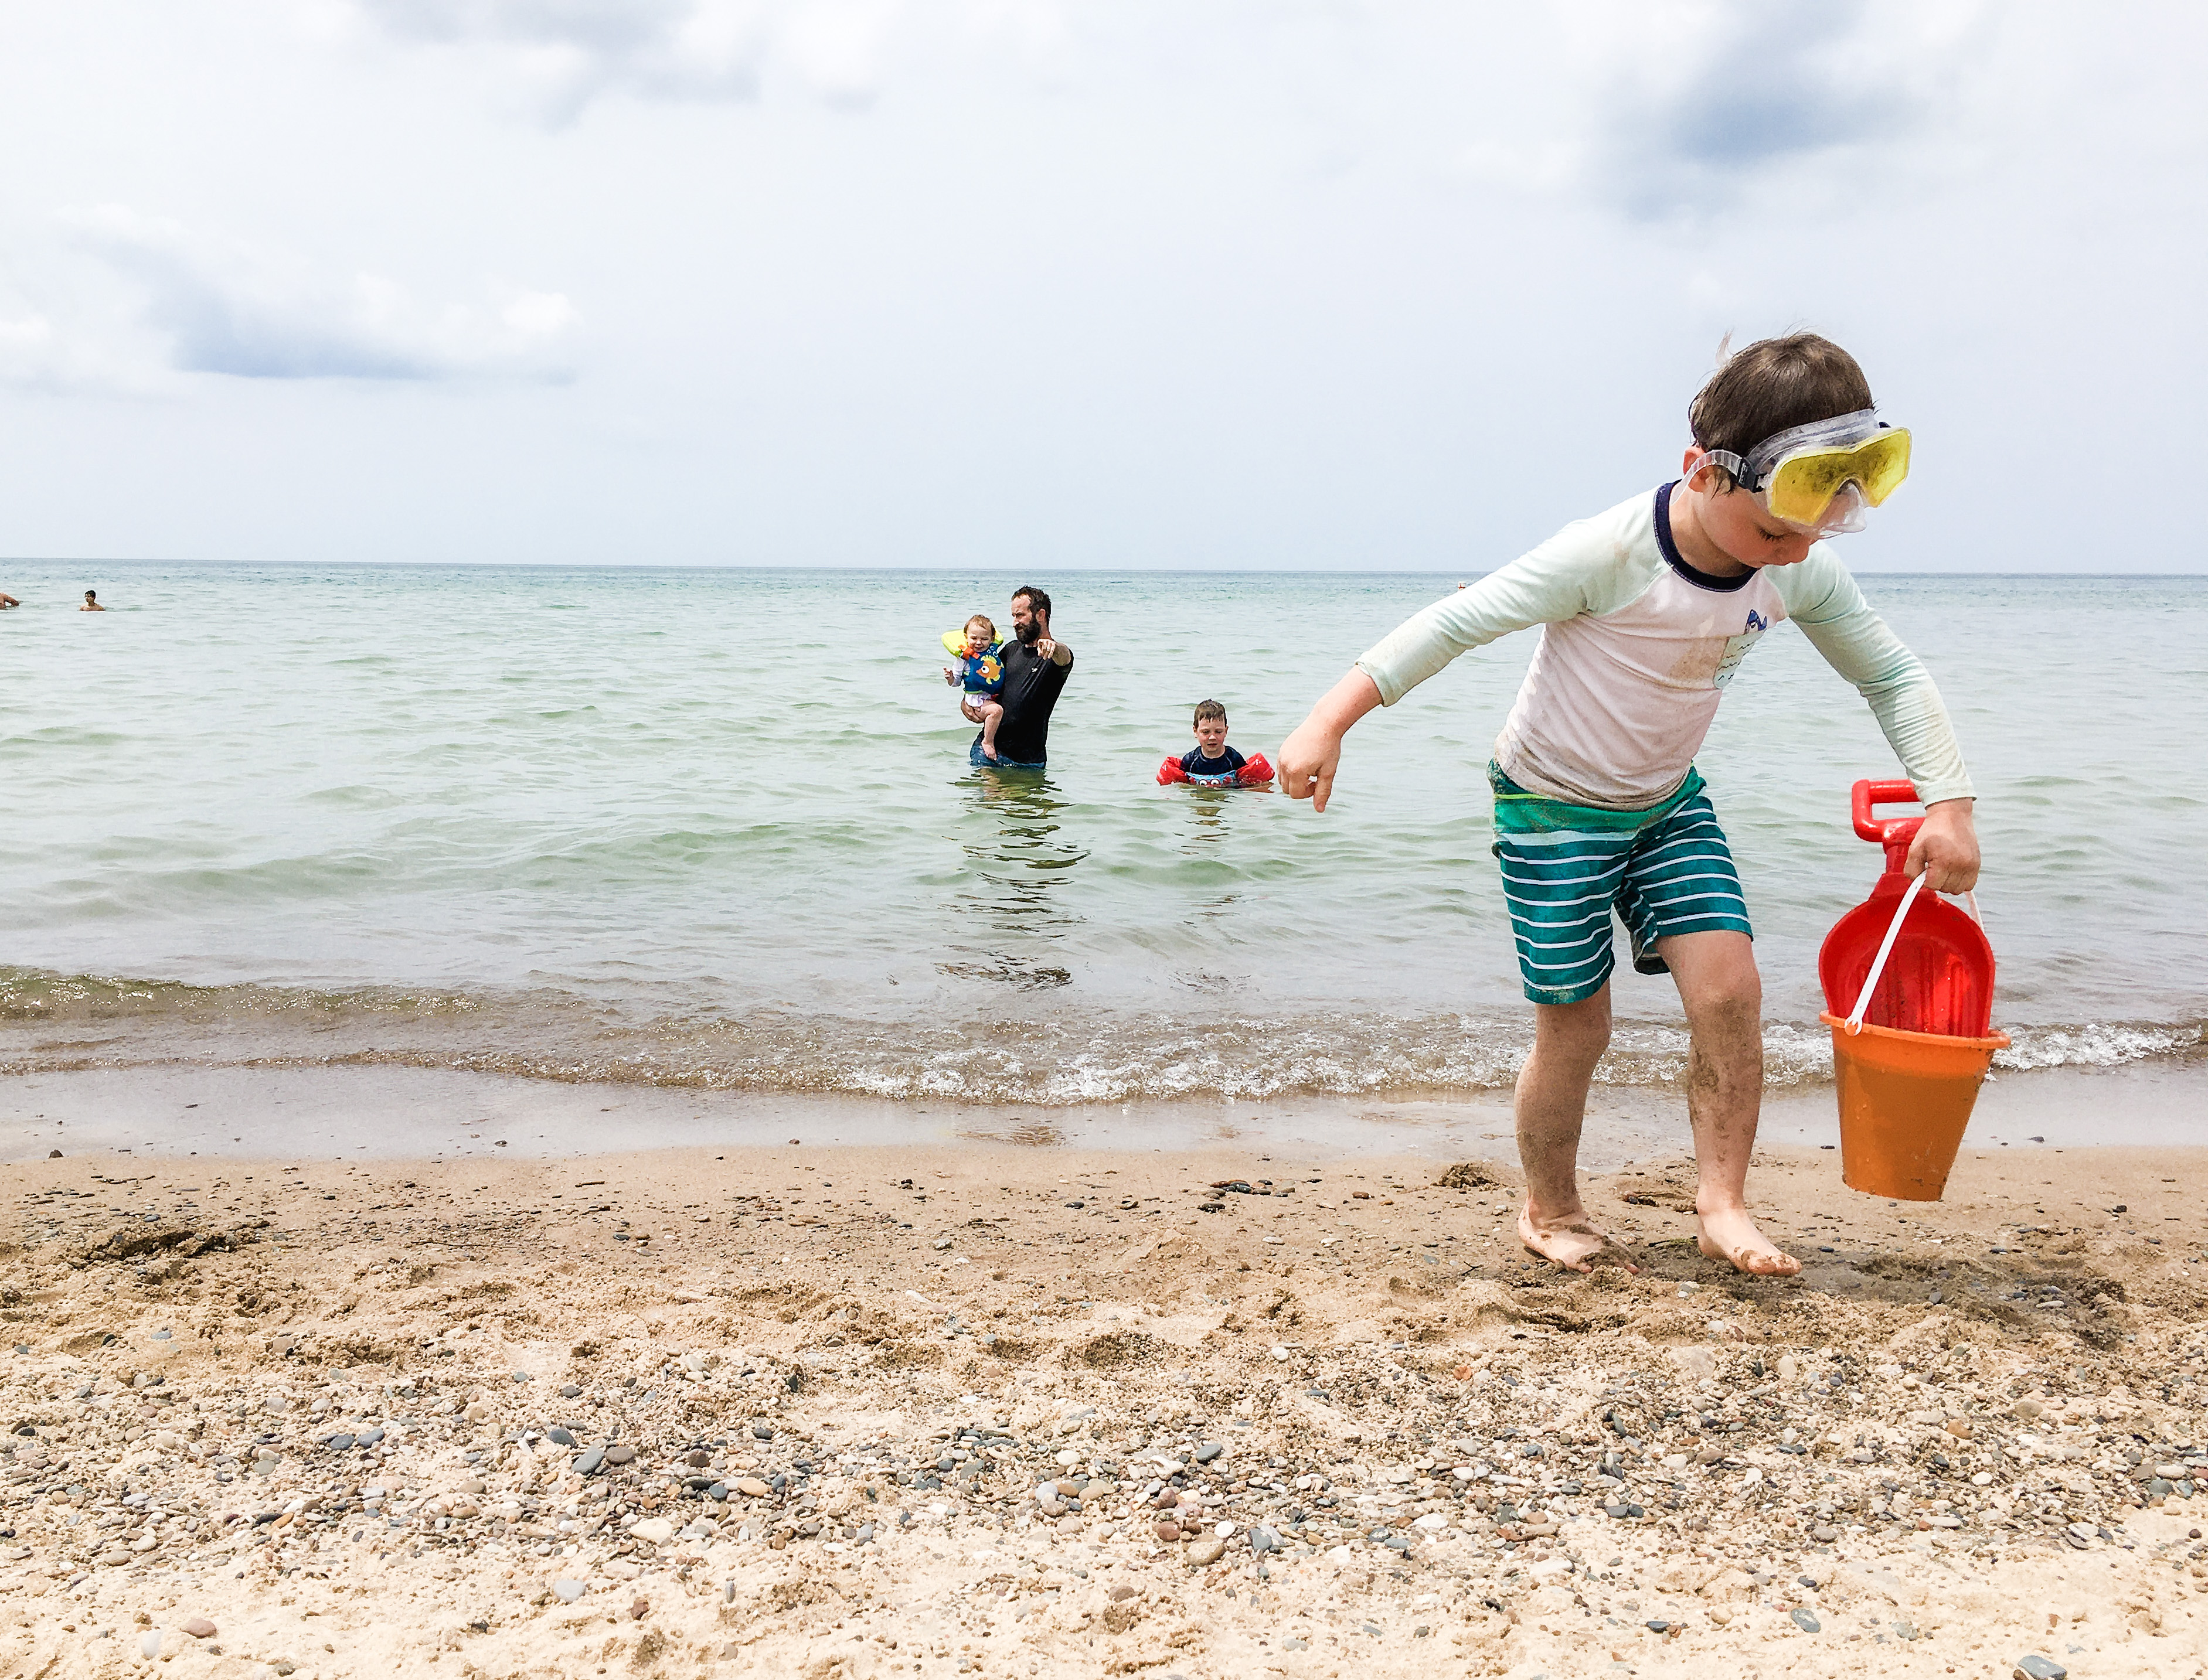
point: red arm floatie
(1256, 772)
(1171, 772)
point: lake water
(717, 827)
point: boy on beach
(1646, 612)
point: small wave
(2099, 1044)
(51, 1023)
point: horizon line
(1071, 566)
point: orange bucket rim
(1998, 1041)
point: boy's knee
(1579, 1030)
(1727, 1022)
(1738, 997)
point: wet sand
(376, 1111)
(946, 1407)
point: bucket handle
(1886, 950)
(1855, 1021)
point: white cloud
(52, 349)
(1689, 109)
(558, 55)
(219, 307)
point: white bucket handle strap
(1885, 950)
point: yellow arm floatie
(954, 641)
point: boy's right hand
(1309, 757)
(1308, 760)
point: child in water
(979, 674)
(1211, 763)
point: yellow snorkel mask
(1820, 478)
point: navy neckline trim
(1676, 561)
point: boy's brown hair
(983, 619)
(1208, 708)
(1774, 385)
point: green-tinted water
(717, 826)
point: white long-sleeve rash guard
(1636, 648)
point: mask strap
(1716, 457)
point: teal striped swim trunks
(1565, 868)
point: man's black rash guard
(1032, 685)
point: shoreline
(381, 1112)
(953, 1397)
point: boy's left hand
(1945, 849)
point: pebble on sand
(200, 1628)
(2036, 1667)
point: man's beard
(1029, 633)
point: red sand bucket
(1913, 1046)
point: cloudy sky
(1059, 282)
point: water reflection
(1013, 894)
(1207, 806)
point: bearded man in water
(1036, 666)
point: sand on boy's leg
(1722, 996)
(1568, 1039)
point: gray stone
(557, 1434)
(571, 1390)
(1207, 1451)
(2036, 1667)
(588, 1464)
(620, 1453)
(566, 1590)
(718, 1492)
(1806, 1621)
(339, 1443)
(1262, 1538)
(369, 1438)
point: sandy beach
(1044, 1411)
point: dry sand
(1043, 1412)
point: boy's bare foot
(1730, 1235)
(1572, 1243)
